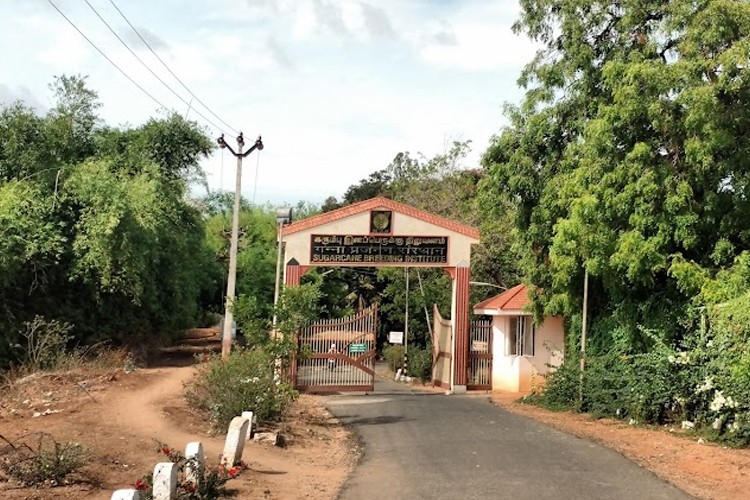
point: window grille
(521, 335)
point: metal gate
(339, 354)
(480, 355)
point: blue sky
(336, 87)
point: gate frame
(357, 219)
(483, 324)
(357, 363)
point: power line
(149, 69)
(107, 58)
(168, 69)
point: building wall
(459, 245)
(521, 373)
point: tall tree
(628, 156)
(95, 228)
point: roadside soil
(702, 469)
(119, 417)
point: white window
(521, 336)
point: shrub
(561, 388)
(223, 389)
(253, 322)
(46, 344)
(420, 363)
(50, 463)
(394, 356)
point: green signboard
(358, 348)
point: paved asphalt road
(427, 445)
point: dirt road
(121, 419)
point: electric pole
(406, 327)
(226, 335)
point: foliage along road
(422, 444)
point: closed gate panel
(480, 356)
(338, 355)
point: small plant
(211, 481)
(46, 343)
(394, 356)
(51, 463)
(420, 363)
(223, 389)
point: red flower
(141, 485)
(190, 487)
(234, 471)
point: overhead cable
(106, 57)
(168, 69)
(149, 69)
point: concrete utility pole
(583, 332)
(226, 336)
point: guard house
(381, 232)
(522, 352)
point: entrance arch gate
(380, 232)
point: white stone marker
(235, 443)
(195, 461)
(165, 481)
(126, 495)
(251, 427)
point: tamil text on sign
(373, 250)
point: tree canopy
(95, 228)
(628, 156)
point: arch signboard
(380, 232)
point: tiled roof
(378, 203)
(515, 299)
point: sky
(336, 88)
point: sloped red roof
(380, 202)
(515, 299)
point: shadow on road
(380, 420)
(405, 392)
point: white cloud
(479, 47)
(376, 21)
(304, 21)
(278, 54)
(323, 81)
(329, 17)
(65, 49)
(10, 95)
(153, 40)
(443, 34)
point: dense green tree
(376, 184)
(22, 147)
(73, 119)
(628, 156)
(95, 227)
